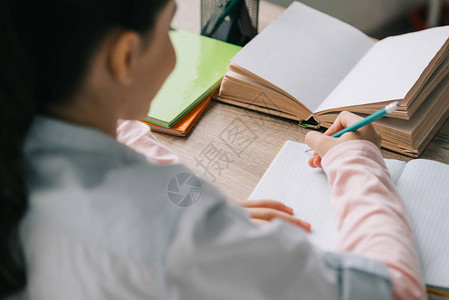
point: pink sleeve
(371, 216)
(139, 137)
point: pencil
(390, 108)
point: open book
(423, 185)
(308, 66)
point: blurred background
(381, 18)
(377, 18)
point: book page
(389, 70)
(424, 186)
(290, 180)
(428, 112)
(304, 52)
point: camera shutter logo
(184, 189)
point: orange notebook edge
(183, 126)
(435, 290)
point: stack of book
(201, 64)
(308, 66)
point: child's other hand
(264, 211)
(321, 143)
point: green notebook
(201, 63)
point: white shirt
(101, 225)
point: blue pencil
(390, 108)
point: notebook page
(424, 186)
(304, 52)
(290, 180)
(389, 69)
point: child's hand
(264, 211)
(321, 143)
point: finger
(268, 204)
(313, 139)
(319, 142)
(259, 222)
(344, 119)
(311, 162)
(269, 214)
(315, 162)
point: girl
(86, 217)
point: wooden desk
(233, 147)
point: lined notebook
(423, 185)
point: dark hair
(45, 47)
